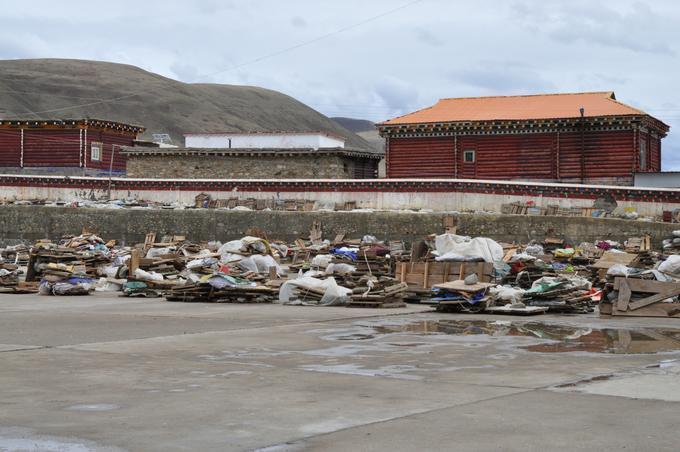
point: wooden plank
(610, 258)
(624, 295)
(654, 298)
(134, 262)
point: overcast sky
(381, 67)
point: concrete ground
(107, 373)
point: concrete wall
(670, 179)
(263, 141)
(35, 222)
(217, 166)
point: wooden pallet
(645, 305)
(424, 275)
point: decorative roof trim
(169, 152)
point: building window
(96, 152)
(469, 156)
(643, 155)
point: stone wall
(29, 223)
(226, 167)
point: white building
(264, 140)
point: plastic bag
(534, 250)
(322, 260)
(506, 293)
(340, 269)
(157, 252)
(671, 265)
(618, 270)
(147, 276)
(235, 246)
(258, 263)
(333, 295)
(475, 249)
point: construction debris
(450, 272)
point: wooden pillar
(455, 156)
(557, 157)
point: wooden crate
(426, 274)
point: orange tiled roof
(538, 106)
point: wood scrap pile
(637, 297)
(382, 292)
(459, 296)
(671, 245)
(222, 289)
(10, 282)
(561, 294)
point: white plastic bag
(671, 265)
(618, 270)
(509, 294)
(534, 250)
(147, 276)
(340, 269)
(477, 248)
(322, 260)
(157, 252)
(333, 295)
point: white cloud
(401, 62)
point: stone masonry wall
(29, 223)
(235, 167)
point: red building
(85, 145)
(581, 138)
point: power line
(250, 62)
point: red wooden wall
(61, 148)
(10, 148)
(540, 156)
(109, 139)
(51, 147)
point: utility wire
(247, 63)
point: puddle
(94, 407)
(558, 338)
(27, 440)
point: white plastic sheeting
(671, 265)
(451, 247)
(333, 295)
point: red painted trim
(565, 191)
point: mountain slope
(355, 125)
(57, 88)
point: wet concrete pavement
(108, 373)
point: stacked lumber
(637, 244)
(383, 292)
(220, 288)
(206, 294)
(10, 283)
(63, 262)
(561, 295)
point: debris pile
(451, 272)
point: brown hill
(58, 88)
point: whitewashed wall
(435, 201)
(263, 141)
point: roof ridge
(628, 106)
(609, 93)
